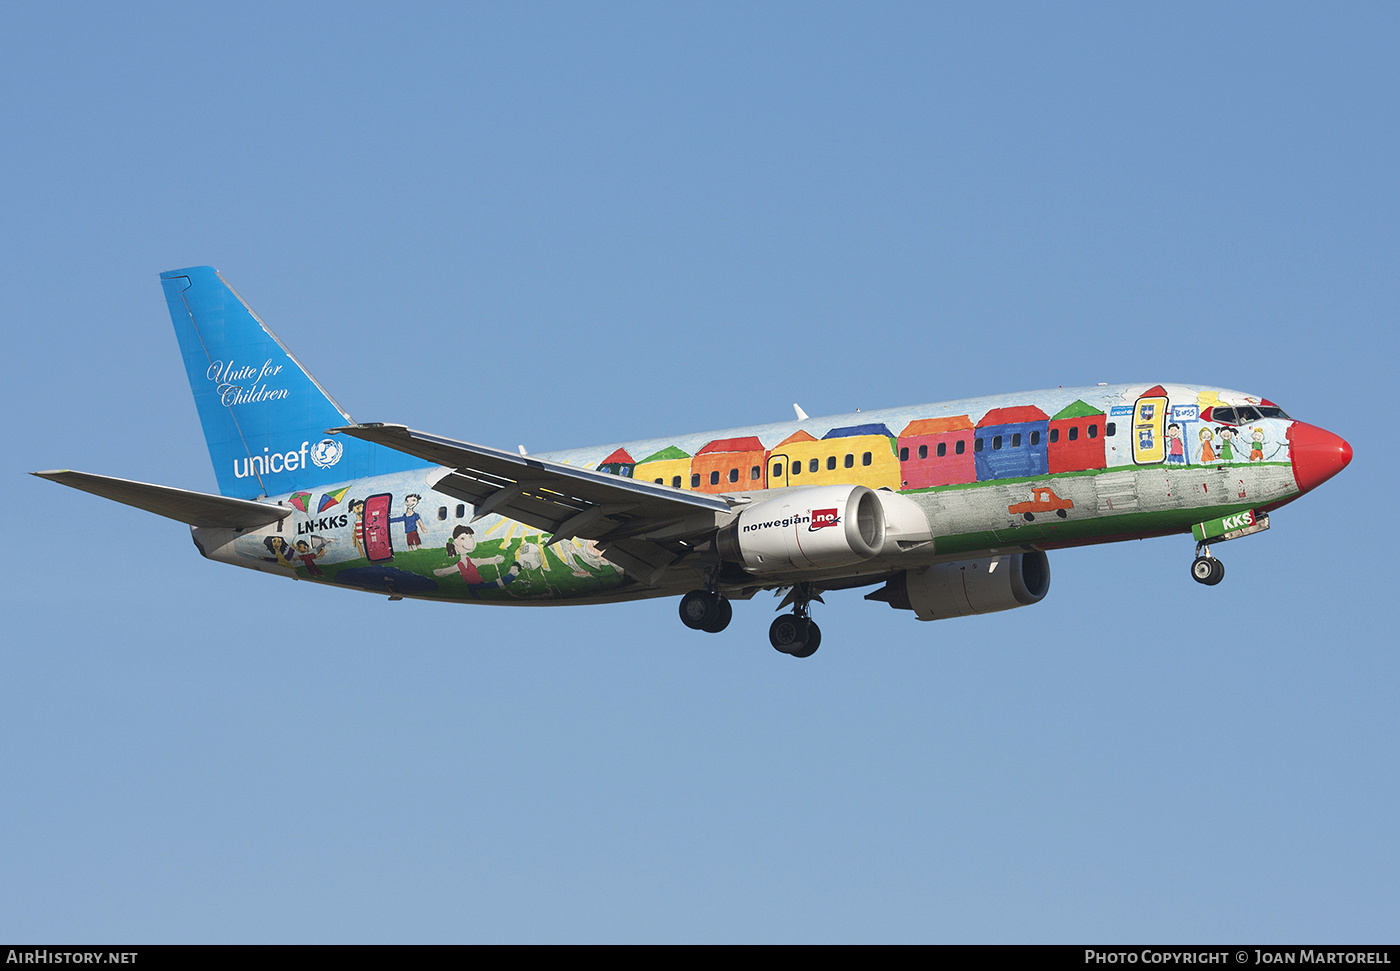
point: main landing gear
(793, 633)
(706, 610)
(796, 633)
(1205, 568)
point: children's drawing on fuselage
(1207, 446)
(309, 553)
(357, 507)
(1227, 444)
(412, 522)
(281, 551)
(529, 555)
(1176, 446)
(1256, 447)
(571, 551)
(461, 544)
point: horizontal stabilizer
(181, 505)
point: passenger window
(830, 462)
(714, 477)
(660, 480)
(695, 480)
(1035, 438)
(756, 473)
(797, 468)
(814, 465)
(904, 454)
(1054, 435)
(1074, 433)
(996, 442)
(675, 482)
(923, 450)
(1016, 440)
(777, 470)
(1094, 430)
(733, 475)
(1110, 429)
(461, 510)
(942, 448)
(850, 461)
(442, 513)
(977, 445)
(960, 447)
(865, 459)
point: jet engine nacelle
(812, 528)
(970, 586)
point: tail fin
(264, 416)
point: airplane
(948, 508)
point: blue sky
(562, 225)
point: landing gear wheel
(719, 620)
(788, 634)
(1207, 570)
(699, 608)
(814, 641)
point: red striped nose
(1317, 454)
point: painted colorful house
(857, 453)
(618, 463)
(1077, 438)
(729, 465)
(935, 452)
(670, 466)
(1011, 443)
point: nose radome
(1317, 454)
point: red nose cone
(1317, 454)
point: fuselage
(1002, 473)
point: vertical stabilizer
(264, 416)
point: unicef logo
(326, 453)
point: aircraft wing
(181, 505)
(637, 524)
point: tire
(1203, 570)
(719, 620)
(814, 641)
(788, 634)
(698, 608)
(1217, 573)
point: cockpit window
(1246, 413)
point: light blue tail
(264, 416)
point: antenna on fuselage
(801, 415)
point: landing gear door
(378, 545)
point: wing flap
(181, 505)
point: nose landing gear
(1205, 568)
